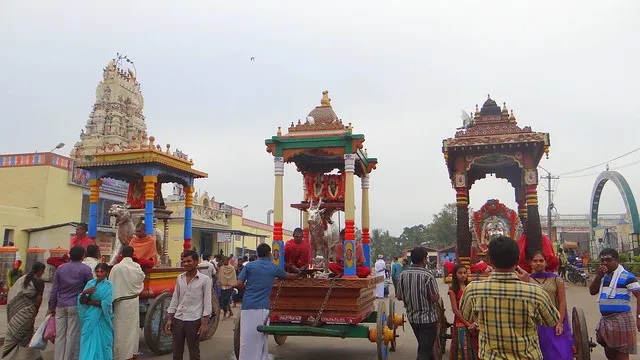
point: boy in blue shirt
(259, 276)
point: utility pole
(549, 201)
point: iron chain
(316, 321)
(273, 303)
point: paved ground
(220, 347)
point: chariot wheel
(381, 321)
(390, 324)
(214, 319)
(280, 339)
(236, 336)
(440, 344)
(580, 334)
(154, 336)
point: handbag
(50, 330)
(37, 340)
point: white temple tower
(116, 121)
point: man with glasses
(617, 329)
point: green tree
(383, 243)
(442, 230)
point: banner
(224, 237)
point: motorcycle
(577, 275)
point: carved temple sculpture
(492, 220)
(493, 143)
(116, 122)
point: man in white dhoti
(91, 258)
(259, 277)
(380, 269)
(127, 278)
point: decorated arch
(627, 197)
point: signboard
(81, 177)
(224, 237)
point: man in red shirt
(297, 253)
(81, 238)
(338, 267)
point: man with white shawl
(127, 278)
(380, 269)
(91, 258)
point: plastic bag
(37, 341)
(50, 330)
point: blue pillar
(94, 198)
(277, 251)
(367, 254)
(350, 258)
(149, 197)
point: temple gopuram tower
(116, 121)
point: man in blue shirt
(396, 269)
(614, 285)
(257, 277)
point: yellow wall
(37, 196)
(17, 219)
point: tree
(382, 243)
(442, 230)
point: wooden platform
(159, 280)
(350, 302)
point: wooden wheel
(440, 344)
(580, 334)
(236, 336)
(381, 321)
(155, 337)
(280, 339)
(390, 324)
(214, 319)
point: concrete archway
(625, 192)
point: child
(259, 276)
(464, 336)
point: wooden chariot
(491, 143)
(145, 167)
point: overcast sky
(399, 71)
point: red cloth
(478, 267)
(298, 255)
(449, 266)
(547, 250)
(362, 271)
(56, 261)
(84, 241)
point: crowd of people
(514, 314)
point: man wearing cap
(380, 269)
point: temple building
(116, 121)
(44, 195)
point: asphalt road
(220, 347)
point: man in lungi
(617, 329)
(259, 276)
(127, 278)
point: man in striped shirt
(417, 288)
(617, 329)
(507, 308)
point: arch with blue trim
(625, 192)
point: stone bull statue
(323, 233)
(125, 229)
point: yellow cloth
(144, 248)
(508, 312)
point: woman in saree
(464, 336)
(24, 301)
(96, 316)
(556, 342)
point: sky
(399, 71)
